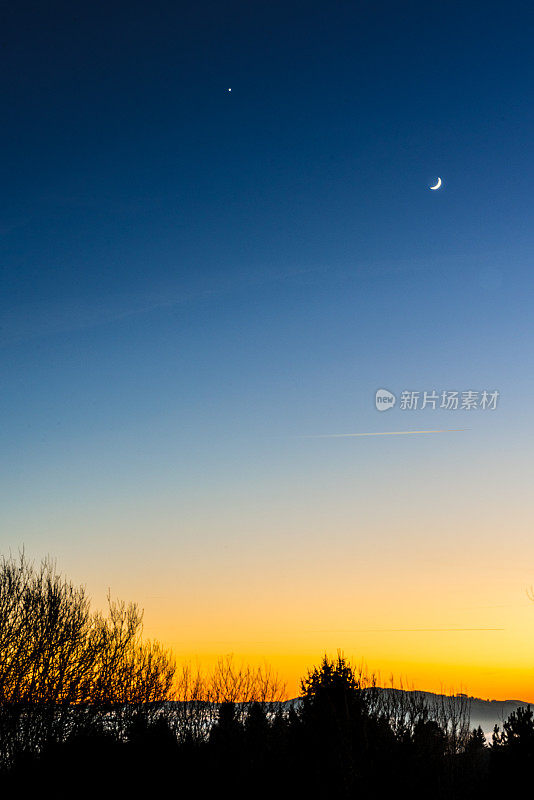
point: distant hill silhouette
(483, 713)
(486, 713)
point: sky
(200, 289)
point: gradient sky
(198, 285)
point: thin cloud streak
(381, 433)
(409, 630)
(27, 321)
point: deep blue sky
(128, 168)
(193, 279)
(152, 220)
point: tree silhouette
(477, 741)
(64, 669)
(79, 688)
(335, 723)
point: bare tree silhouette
(200, 695)
(63, 667)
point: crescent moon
(438, 184)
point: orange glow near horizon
(475, 680)
(469, 634)
(430, 590)
(425, 668)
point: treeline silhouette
(87, 706)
